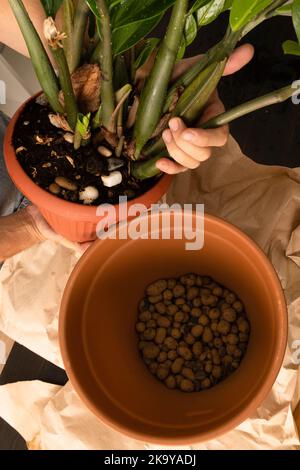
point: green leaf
(209, 12)
(190, 34)
(291, 47)
(243, 11)
(83, 124)
(131, 11)
(296, 17)
(227, 5)
(285, 10)
(127, 36)
(198, 4)
(149, 47)
(132, 20)
(51, 7)
(94, 8)
(190, 30)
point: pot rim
(47, 200)
(239, 417)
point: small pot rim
(239, 417)
(47, 200)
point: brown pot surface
(75, 222)
(99, 342)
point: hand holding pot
(190, 147)
(25, 229)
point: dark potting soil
(46, 155)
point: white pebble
(89, 195)
(113, 179)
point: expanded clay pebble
(193, 332)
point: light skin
(187, 147)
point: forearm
(17, 233)
(10, 34)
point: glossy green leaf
(51, 7)
(296, 17)
(127, 36)
(243, 11)
(198, 4)
(291, 47)
(209, 12)
(132, 20)
(149, 47)
(94, 8)
(190, 30)
(132, 11)
(190, 34)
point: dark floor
(269, 136)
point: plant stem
(267, 13)
(106, 65)
(154, 92)
(192, 100)
(39, 57)
(80, 23)
(68, 18)
(145, 169)
(275, 97)
(196, 95)
(217, 53)
(66, 85)
(148, 169)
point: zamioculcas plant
(98, 129)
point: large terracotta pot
(74, 221)
(99, 342)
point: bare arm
(9, 29)
(17, 233)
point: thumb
(239, 58)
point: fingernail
(188, 136)
(167, 136)
(174, 125)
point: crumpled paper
(264, 201)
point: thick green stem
(193, 100)
(146, 169)
(217, 53)
(106, 65)
(80, 23)
(68, 18)
(39, 58)
(196, 95)
(275, 97)
(66, 85)
(154, 92)
(220, 51)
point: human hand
(190, 147)
(43, 231)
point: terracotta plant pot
(74, 221)
(99, 342)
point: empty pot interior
(102, 345)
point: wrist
(17, 233)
